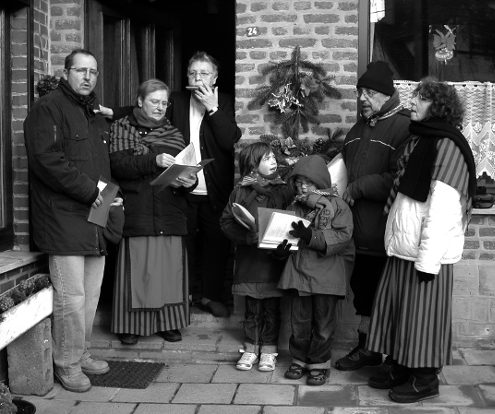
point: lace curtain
(479, 119)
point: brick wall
(474, 286)
(326, 30)
(20, 98)
(66, 31)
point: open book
(243, 216)
(185, 166)
(274, 226)
(108, 190)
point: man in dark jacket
(371, 150)
(67, 154)
(206, 118)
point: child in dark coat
(317, 274)
(257, 271)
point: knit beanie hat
(378, 77)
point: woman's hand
(164, 160)
(186, 181)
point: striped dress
(151, 279)
(412, 321)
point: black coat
(149, 210)
(67, 153)
(218, 134)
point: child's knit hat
(314, 168)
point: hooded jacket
(370, 155)
(325, 264)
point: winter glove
(282, 251)
(251, 238)
(425, 277)
(301, 232)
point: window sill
(484, 211)
(13, 259)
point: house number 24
(252, 31)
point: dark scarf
(261, 185)
(416, 180)
(87, 102)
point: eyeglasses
(300, 183)
(156, 103)
(85, 71)
(202, 75)
(368, 93)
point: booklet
(243, 216)
(274, 226)
(185, 166)
(108, 190)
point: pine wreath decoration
(295, 89)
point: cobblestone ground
(202, 380)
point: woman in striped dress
(150, 290)
(429, 208)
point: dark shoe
(422, 384)
(389, 376)
(77, 382)
(173, 335)
(217, 309)
(92, 366)
(359, 357)
(128, 339)
(294, 372)
(317, 376)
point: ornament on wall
(444, 44)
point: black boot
(390, 375)
(422, 384)
(359, 357)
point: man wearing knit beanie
(371, 150)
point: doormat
(128, 374)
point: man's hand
(207, 95)
(99, 201)
(164, 160)
(301, 231)
(106, 112)
(282, 251)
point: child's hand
(301, 232)
(251, 238)
(282, 251)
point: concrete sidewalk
(200, 378)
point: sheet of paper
(108, 190)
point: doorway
(135, 40)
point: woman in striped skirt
(150, 291)
(429, 208)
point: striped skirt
(150, 320)
(412, 321)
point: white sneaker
(267, 362)
(246, 361)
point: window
(453, 40)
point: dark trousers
(262, 324)
(313, 323)
(207, 247)
(364, 281)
